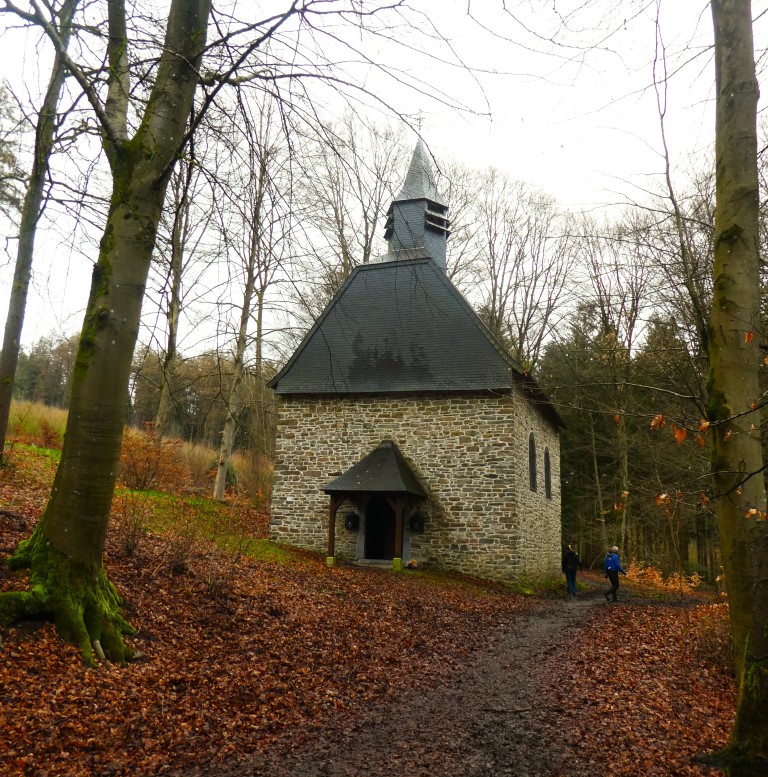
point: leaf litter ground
(298, 669)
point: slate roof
(419, 182)
(397, 327)
(383, 470)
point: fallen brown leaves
(289, 645)
(641, 692)
(293, 645)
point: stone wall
(471, 454)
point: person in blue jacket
(612, 567)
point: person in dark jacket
(612, 567)
(571, 563)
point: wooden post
(397, 561)
(331, 558)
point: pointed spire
(417, 223)
(419, 183)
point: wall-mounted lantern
(417, 523)
(351, 521)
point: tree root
(83, 603)
(735, 762)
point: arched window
(547, 474)
(532, 461)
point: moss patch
(84, 604)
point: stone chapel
(406, 433)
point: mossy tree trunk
(31, 209)
(64, 553)
(735, 361)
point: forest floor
(561, 690)
(273, 664)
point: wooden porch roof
(384, 470)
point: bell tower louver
(417, 221)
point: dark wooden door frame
(398, 502)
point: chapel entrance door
(379, 529)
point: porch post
(334, 506)
(397, 561)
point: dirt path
(490, 721)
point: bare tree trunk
(598, 486)
(623, 444)
(165, 405)
(262, 209)
(64, 553)
(252, 266)
(264, 428)
(30, 214)
(234, 403)
(168, 369)
(737, 460)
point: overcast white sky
(583, 123)
(580, 121)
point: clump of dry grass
(198, 460)
(146, 462)
(37, 424)
(254, 472)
